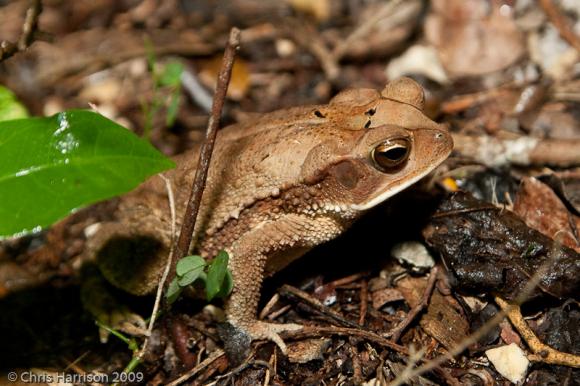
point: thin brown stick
(306, 36)
(293, 292)
(398, 331)
(315, 332)
(215, 356)
(475, 336)
(364, 295)
(190, 216)
(560, 23)
(29, 27)
(346, 280)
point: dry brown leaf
(441, 321)
(541, 209)
(474, 37)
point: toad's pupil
(391, 154)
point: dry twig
(475, 336)
(289, 291)
(29, 28)
(215, 356)
(364, 294)
(560, 23)
(542, 352)
(316, 332)
(520, 150)
(398, 331)
(194, 202)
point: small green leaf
(190, 276)
(171, 75)
(10, 108)
(52, 166)
(173, 291)
(173, 107)
(216, 275)
(189, 263)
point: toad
(278, 185)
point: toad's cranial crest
(279, 185)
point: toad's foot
(238, 339)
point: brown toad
(279, 185)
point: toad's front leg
(275, 243)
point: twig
(560, 23)
(289, 291)
(364, 294)
(363, 30)
(309, 38)
(487, 326)
(398, 331)
(161, 285)
(275, 315)
(190, 216)
(268, 307)
(315, 332)
(519, 150)
(346, 280)
(217, 354)
(542, 352)
(29, 27)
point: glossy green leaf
(52, 166)
(216, 275)
(10, 108)
(189, 263)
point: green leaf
(171, 75)
(189, 269)
(216, 275)
(189, 277)
(227, 286)
(189, 263)
(173, 107)
(52, 166)
(173, 291)
(10, 108)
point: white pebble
(510, 361)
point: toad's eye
(391, 154)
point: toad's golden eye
(391, 154)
